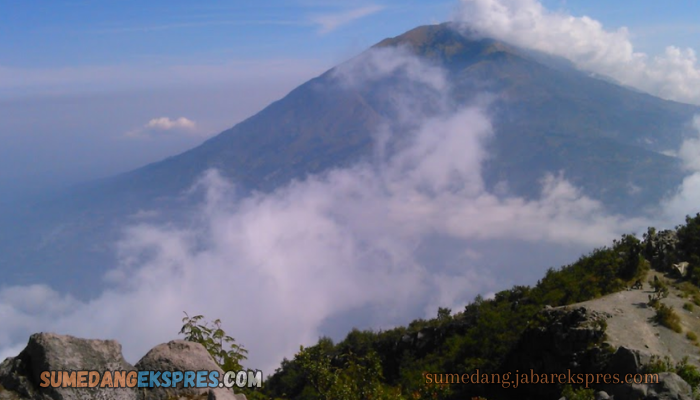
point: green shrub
(668, 318)
(577, 394)
(688, 306)
(660, 287)
(691, 336)
(689, 373)
(658, 365)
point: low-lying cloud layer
(673, 75)
(276, 267)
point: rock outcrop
(628, 361)
(20, 376)
(560, 339)
(574, 339)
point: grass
(667, 317)
(688, 307)
(688, 289)
(691, 336)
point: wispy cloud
(101, 78)
(331, 22)
(199, 24)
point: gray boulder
(20, 376)
(628, 361)
(670, 387)
(181, 355)
(602, 396)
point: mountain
(548, 117)
(551, 117)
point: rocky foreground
(614, 334)
(20, 376)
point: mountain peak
(445, 42)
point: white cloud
(687, 197)
(331, 22)
(166, 124)
(154, 126)
(673, 75)
(689, 152)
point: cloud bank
(687, 197)
(673, 75)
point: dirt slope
(631, 324)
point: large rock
(181, 355)
(628, 361)
(670, 387)
(20, 376)
(680, 269)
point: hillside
(584, 317)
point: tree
(344, 377)
(223, 348)
(443, 313)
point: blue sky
(78, 33)
(82, 82)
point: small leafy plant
(222, 347)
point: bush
(668, 318)
(577, 394)
(689, 373)
(691, 336)
(688, 306)
(659, 287)
(657, 365)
